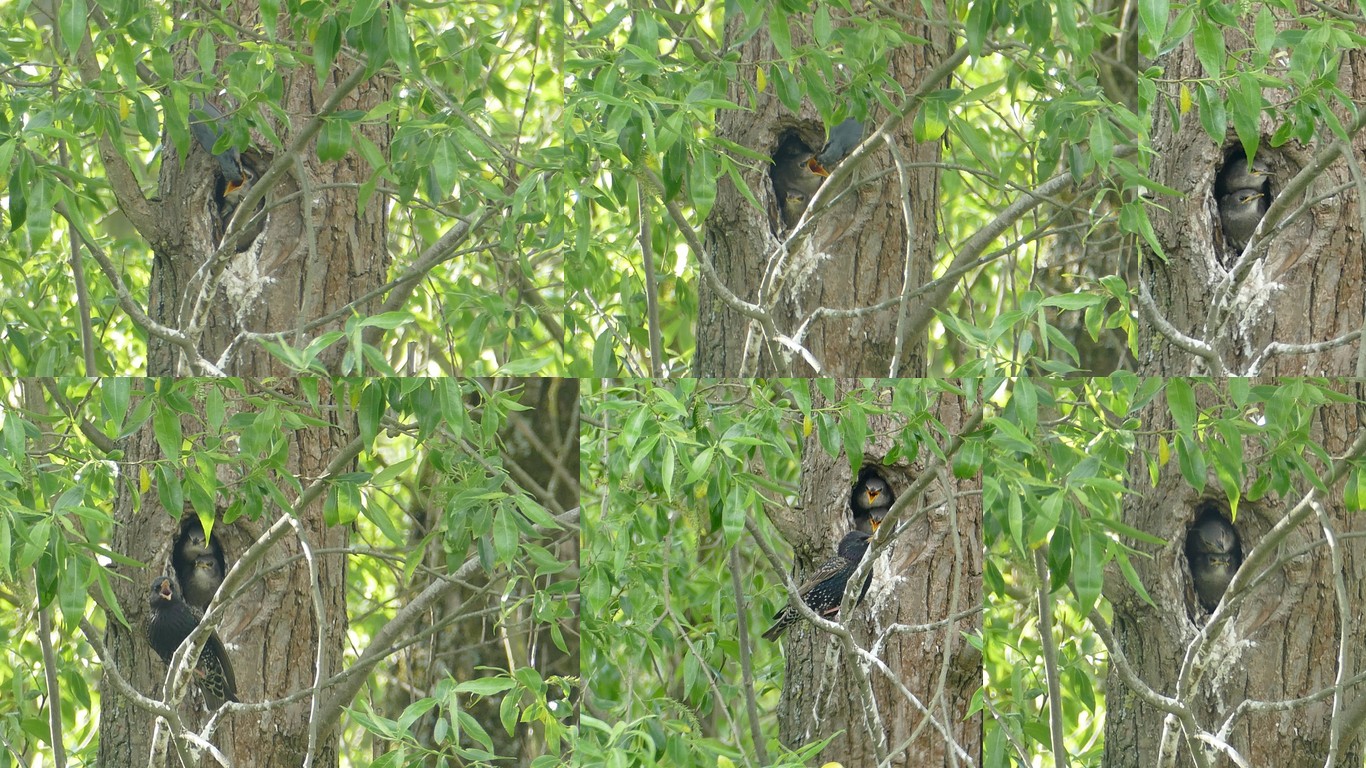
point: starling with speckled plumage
(824, 589)
(171, 622)
(872, 499)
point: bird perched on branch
(1240, 213)
(199, 563)
(824, 588)
(871, 500)
(843, 138)
(171, 622)
(1214, 555)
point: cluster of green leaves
(429, 444)
(1297, 53)
(670, 473)
(1053, 479)
(1042, 94)
(1271, 423)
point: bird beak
(874, 524)
(165, 590)
(872, 496)
(816, 167)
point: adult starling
(824, 589)
(843, 138)
(1241, 212)
(871, 500)
(1214, 555)
(794, 184)
(171, 622)
(206, 123)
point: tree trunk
(931, 572)
(317, 249)
(1307, 286)
(1281, 643)
(270, 630)
(858, 252)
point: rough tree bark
(319, 250)
(1281, 643)
(1307, 286)
(269, 629)
(856, 253)
(931, 572)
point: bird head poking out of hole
(870, 500)
(1214, 554)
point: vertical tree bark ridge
(855, 253)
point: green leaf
(334, 140)
(1245, 105)
(1354, 492)
(854, 430)
(166, 427)
(779, 34)
(505, 534)
(114, 394)
(486, 686)
(524, 366)
(74, 14)
(327, 42)
(1088, 569)
(1192, 461)
(1209, 46)
(1131, 576)
(931, 120)
(370, 412)
(604, 356)
(1181, 401)
(978, 24)
(967, 462)
(362, 11)
(1153, 14)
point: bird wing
(825, 570)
